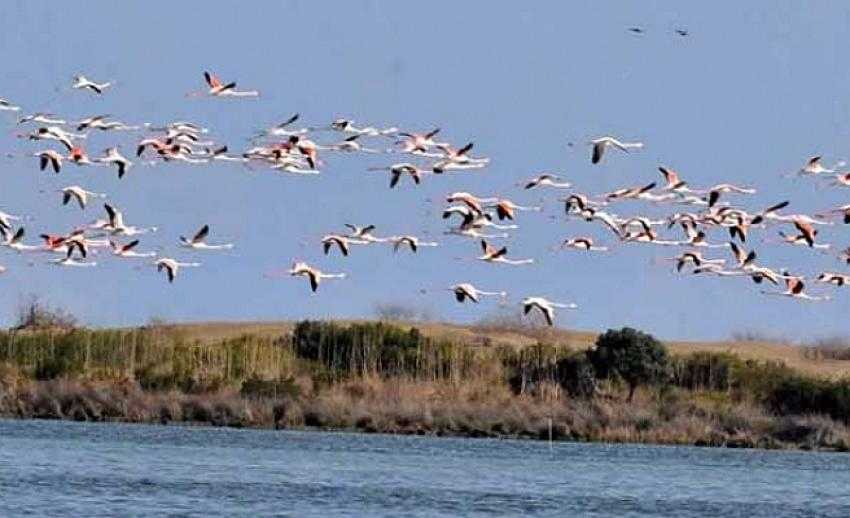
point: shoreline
(379, 377)
(114, 403)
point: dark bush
(360, 348)
(636, 358)
(705, 371)
(576, 375)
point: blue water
(76, 469)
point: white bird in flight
(198, 241)
(602, 143)
(546, 307)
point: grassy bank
(429, 379)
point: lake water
(77, 469)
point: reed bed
(381, 377)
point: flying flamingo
(506, 209)
(219, 89)
(172, 267)
(547, 180)
(396, 170)
(314, 274)
(81, 82)
(837, 279)
(42, 118)
(418, 142)
(794, 287)
(342, 242)
(113, 156)
(7, 106)
(602, 143)
(545, 307)
(696, 258)
(494, 255)
(815, 167)
(198, 241)
(115, 224)
(411, 241)
(583, 243)
(15, 241)
(78, 193)
(465, 290)
(50, 157)
(364, 234)
(126, 251)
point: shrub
(34, 314)
(636, 358)
(705, 371)
(576, 375)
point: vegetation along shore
(432, 379)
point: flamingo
(364, 234)
(54, 133)
(695, 257)
(742, 259)
(50, 157)
(418, 142)
(470, 200)
(465, 291)
(219, 89)
(628, 192)
(126, 251)
(314, 274)
(545, 307)
(113, 156)
(342, 242)
(473, 219)
(282, 129)
(728, 188)
(100, 122)
(506, 209)
(350, 145)
(815, 167)
(547, 180)
(347, 126)
(494, 255)
(396, 170)
(7, 219)
(78, 193)
(583, 243)
(602, 143)
(198, 241)
(15, 241)
(794, 287)
(307, 148)
(6, 106)
(42, 118)
(81, 82)
(411, 241)
(837, 279)
(115, 224)
(172, 267)
(221, 154)
(674, 182)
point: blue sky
(755, 89)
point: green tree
(633, 356)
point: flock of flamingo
(289, 149)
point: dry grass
(473, 408)
(791, 355)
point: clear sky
(755, 89)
